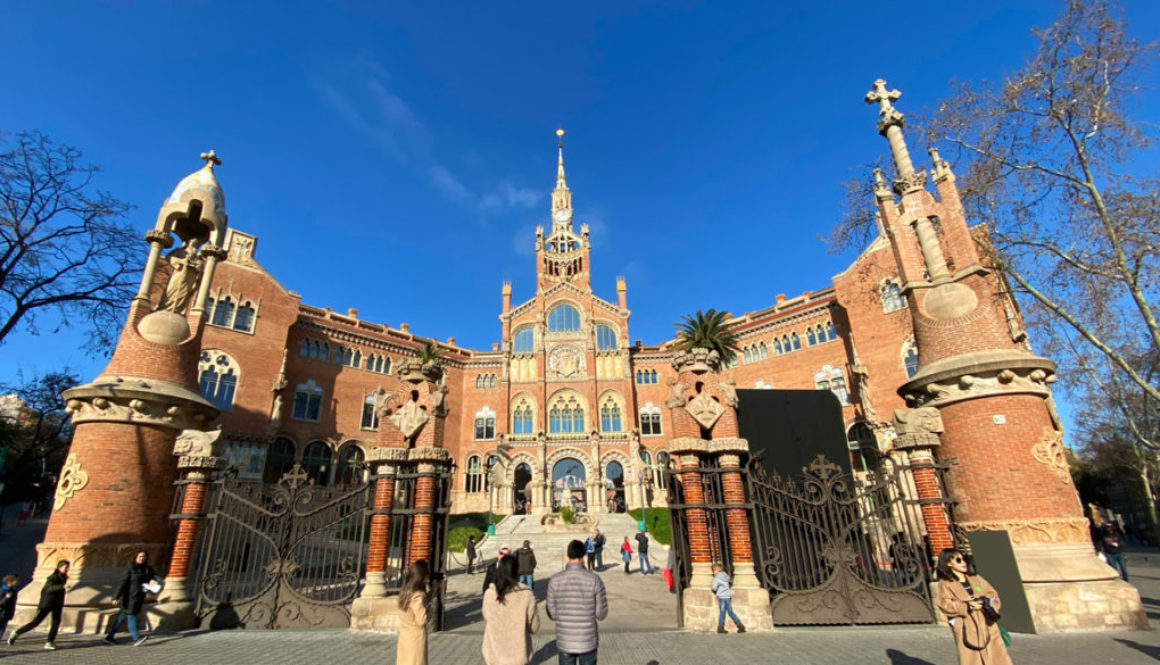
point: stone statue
(383, 399)
(195, 443)
(186, 265)
(676, 394)
(729, 392)
(917, 427)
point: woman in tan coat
(412, 647)
(509, 610)
(961, 599)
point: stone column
(158, 240)
(686, 453)
(373, 610)
(428, 462)
(917, 435)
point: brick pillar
(740, 549)
(419, 544)
(380, 536)
(175, 611)
(934, 514)
(697, 521)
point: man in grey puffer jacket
(576, 601)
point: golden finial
(560, 140)
(211, 158)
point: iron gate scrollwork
(835, 549)
(285, 555)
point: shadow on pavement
(1146, 649)
(899, 658)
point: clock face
(562, 215)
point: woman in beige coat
(509, 610)
(412, 647)
(960, 597)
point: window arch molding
(833, 379)
(524, 339)
(567, 412)
(523, 414)
(349, 463)
(565, 317)
(484, 426)
(611, 411)
(606, 336)
(650, 419)
(218, 377)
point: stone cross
(883, 96)
(211, 158)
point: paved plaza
(639, 631)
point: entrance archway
(569, 481)
(614, 487)
(522, 495)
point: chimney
(451, 341)
(507, 295)
(638, 343)
(495, 346)
(352, 312)
(780, 299)
(621, 291)
(405, 327)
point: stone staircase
(551, 548)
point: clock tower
(562, 254)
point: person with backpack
(1113, 549)
(526, 564)
(8, 591)
(642, 552)
(131, 592)
(722, 587)
(599, 540)
(626, 554)
(51, 604)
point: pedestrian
(8, 591)
(526, 564)
(599, 540)
(510, 618)
(971, 606)
(412, 640)
(669, 572)
(131, 593)
(489, 576)
(590, 552)
(25, 512)
(1113, 549)
(576, 601)
(626, 554)
(721, 586)
(51, 604)
(470, 553)
(642, 552)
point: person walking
(412, 641)
(642, 552)
(526, 564)
(8, 591)
(576, 602)
(669, 571)
(51, 604)
(510, 617)
(489, 576)
(131, 593)
(626, 554)
(1113, 549)
(599, 540)
(971, 606)
(470, 554)
(722, 587)
(590, 552)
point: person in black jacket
(51, 603)
(8, 593)
(131, 593)
(470, 554)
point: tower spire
(890, 125)
(561, 197)
(560, 180)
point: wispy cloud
(367, 104)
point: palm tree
(707, 330)
(429, 353)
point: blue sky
(396, 157)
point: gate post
(176, 611)
(917, 435)
(428, 461)
(372, 610)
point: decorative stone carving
(160, 237)
(438, 398)
(72, 480)
(1051, 452)
(917, 427)
(167, 406)
(413, 371)
(566, 361)
(705, 410)
(383, 399)
(909, 183)
(1039, 531)
(186, 265)
(410, 418)
(676, 396)
(729, 392)
(948, 302)
(697, 360)
(196, 443)
(978, 375)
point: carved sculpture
(676, 396)
(196, 443)
(186, 265)
(917, 427)
(729, 392)
(72, 480)
(410, 418)
(705, 410)
(383, 399)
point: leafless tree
(67, 255)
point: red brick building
(567, 405)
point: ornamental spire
(890, 125)
(560, 180)
(561, 197)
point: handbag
(1005, 635)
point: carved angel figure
(186, 265)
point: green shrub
(457, 537)
(473, 519)
(656, 522)
(567, 514)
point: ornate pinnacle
(211, 158)
(880, 94)
(890, 125)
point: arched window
(831, 378)
(659, 469)
(831, 332)
(522, 341)
(811, 339)
(762, 350)
(386, 366)
(605, 338)
(484, 424)
(564, 318)
(762, 384)
(223, 313)
(307, 401)
(315, 349)
(370, 419)
(863, 445)
(652, 376)
(610, 415)
(522, 416)
(473, 475)
(492, 460)
(218, 375)
(910, 358)
(645, 457)
(304, 348)
(566, 415)
(316, 462)
(891, 294)
(279, 460)
(650, 420)
(777, 346)
(797, 343)
(244, 319)
(349, 470)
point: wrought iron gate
(403, 513)
(284, 555)
(830, 548)
(833, 549)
